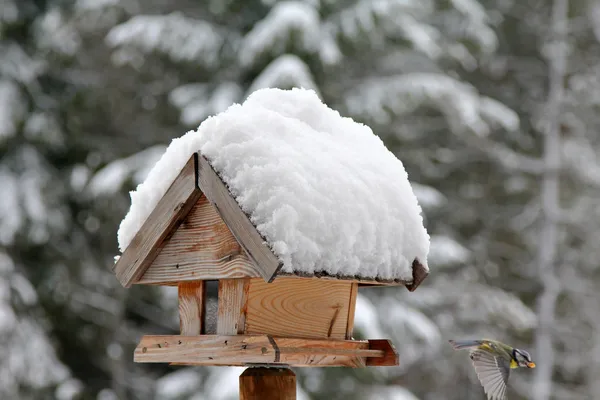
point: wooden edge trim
(419, 275)
(390, 357)
(359, 280)
(263, 349)
(362, 282)
(169, 212)
(253, 244)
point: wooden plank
(233, 299)
(351, 310)
(307, 308)
(166, 216)
(318, 352)
(202, 247)
(238, 350)
(205, 349)
(268, 384)
(419, 275)
(390, 357)
(191, 307)
(245, 232)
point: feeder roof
(322, 190)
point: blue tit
(493, 361)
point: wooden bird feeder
(265, 318)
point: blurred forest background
(492, 105)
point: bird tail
(464, 344)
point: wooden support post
(268, 384)
(233, 299)
(191, 307)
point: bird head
(523, 358)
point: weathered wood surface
(202, 247)
(166, 216)
(309, 308)
(267, 264)
(390, 357)
(233, 302)
(351, 310)
(191, 307)
(239, 350)
(268, 384)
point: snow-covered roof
(323, 190)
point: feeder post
(267, 384)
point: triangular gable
(195, 179)
(202, 247)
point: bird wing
(492, 372)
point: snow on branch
(476, 26)
(55, 32)
(12, 109)
(98, 15)
(379, 20)
(364, 14)
(445, 251)
(28, 358)
(428, 197)
(11, 218)
(16, 64)
(8, 12)
(285, 72)
(506, 157)
(423, 37)
(581, 160)
(197, 101)
(289, 22)
(113, 176)
(460, 103)
(483, 303)
(180, 38)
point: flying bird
(493, 361)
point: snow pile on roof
(322, 189)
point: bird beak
(531, 365)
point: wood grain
(239, 350)
(351, 310)
(233, 298)
(390, 357)
(166, 216)
(202, 247)
(241, 227)
(268, 384)
(191, 307)
(306, 308)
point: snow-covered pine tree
(395, 65)
(521, 73)
(32, 213)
